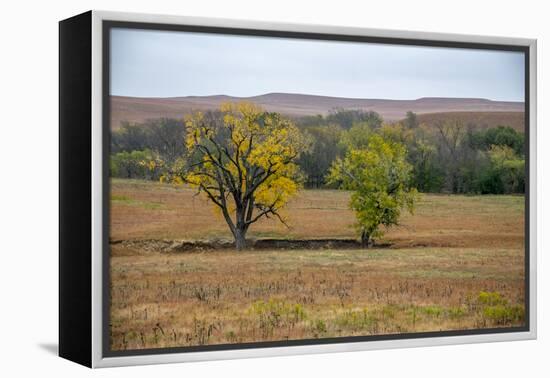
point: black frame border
(75, 189)
(108, 25)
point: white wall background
(28, 161)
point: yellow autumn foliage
(243, 159)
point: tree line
(450, 157)
(249, 162)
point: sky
(148, 63)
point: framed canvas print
(235, 189)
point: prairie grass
(160, 300)
(456, 264)
(150, 210)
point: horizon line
(316, 95)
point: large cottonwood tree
(242, 159)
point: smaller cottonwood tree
(379, 176)
(242, 159)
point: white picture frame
(97, 357)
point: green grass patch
(496, 309)
(355, 319)
(127, 201)
(433, 273)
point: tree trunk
(365, 239)
(240, 239)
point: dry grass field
(456, 264)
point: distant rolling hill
(481, 120)
(138, 109)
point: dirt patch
(174, 246)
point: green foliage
(504, 173)
(320, 326)
(497, 310)
(449, 157)
(125, 200)
(324, 149)
(456, 312)
(135, 147)
(491, 299)
(346, 118)
(411, 121)
(470, 159)
(134, 164)
(329, 140)
(162, 136)
(434, 311)
(500, 136)
(355, 319)
(379, 177)
(510, 167)
(343, 118)
(504, 314)
(129, 137)
(357, 136)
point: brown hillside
(481, 120)
(135, 109)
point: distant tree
(379, 177)
(162, 136)
(129, 137)
(324, 149)
(243, 159)
(165, 136)
(411, 121)
(451, 142)
(346, 118)
(310, 121)
(506, 173)
(421, 154)
(134, 164)
(502, 136)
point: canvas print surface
(267, 189)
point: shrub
(456, 312)
(276, 313)
(434, 311)
(504, 314)
(497, 310)
(491, 299)
(320, 327)
(134, 164)
(355, 319)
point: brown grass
(148, 210)
(448, 258)
(161, 300)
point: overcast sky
(167, 64)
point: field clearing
(456, 264)
(149, 210)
